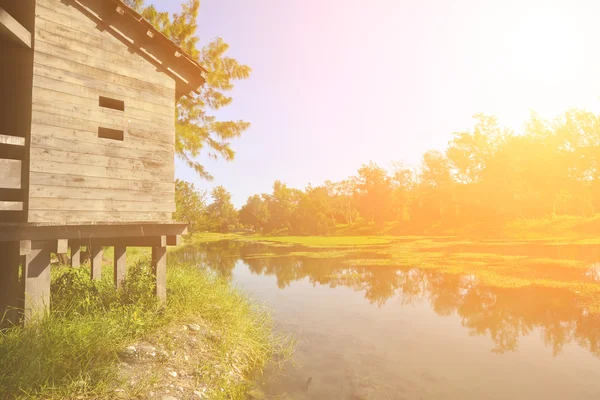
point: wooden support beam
(75, 254)
(11, 206)
(11, 291)
(62, 246)
(159, 270)
(96, 261)
(18, 232)
(10, 174)
(13, 30)
(12, 140)
(174, 240)
(24, 247)
(149, 241)
(120, 265)
(11, 194)
(37, 284)
(11, 152)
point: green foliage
(488, 177)
(197, 130)
(255, 213)
(221, 214)
(72, 352)
(191, 205)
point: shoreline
(97, 343)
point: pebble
(198, 394)
(173, 374)
(147, 349)
(194, 327)
(169, 398)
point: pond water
(399, 332)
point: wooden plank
(87, 26)
(174, 240)
(44, 191)
(163, 118)
(120, 265)
(58, 86)
(12, 195)
(68, 217)
(96, 261)
(62, 246)
(100, 172)
(79, 129)
(11, 206)
(160, 130)
(11, 152)
(11, 292)
(12, 30)
(10, 174)
(24, 247)
(12, 140)
(55, 138)
(128, 64)
(84, 182)
(140, 241)
(16, 232)
(161, 54)
(101, 41)
(37, 283)
(159, 269)
(114, 89)
(60, 7)
(189, 73)
(164, 168)
(71, 56)
(65, 204)
(132, 82)
(75, 254)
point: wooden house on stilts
(88, 90)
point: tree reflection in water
(503, 314)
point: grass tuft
(73, 351)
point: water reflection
(502, 314)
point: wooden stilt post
(37, 282)
(10, 295)
(159, 269)
(120, 265)
(96, 261)
(75, 255)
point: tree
(435, 186)
(374, 193)
(191, 205)
(312, 216)
(221, 214)
(255, 213)
(282, 205)
(196, 129)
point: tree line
(486, 177)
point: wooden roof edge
(147, 25)
(171, 58)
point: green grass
(498, 263)
(307, 241)
(72, 351)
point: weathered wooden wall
(76, 176)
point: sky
(338, 83)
